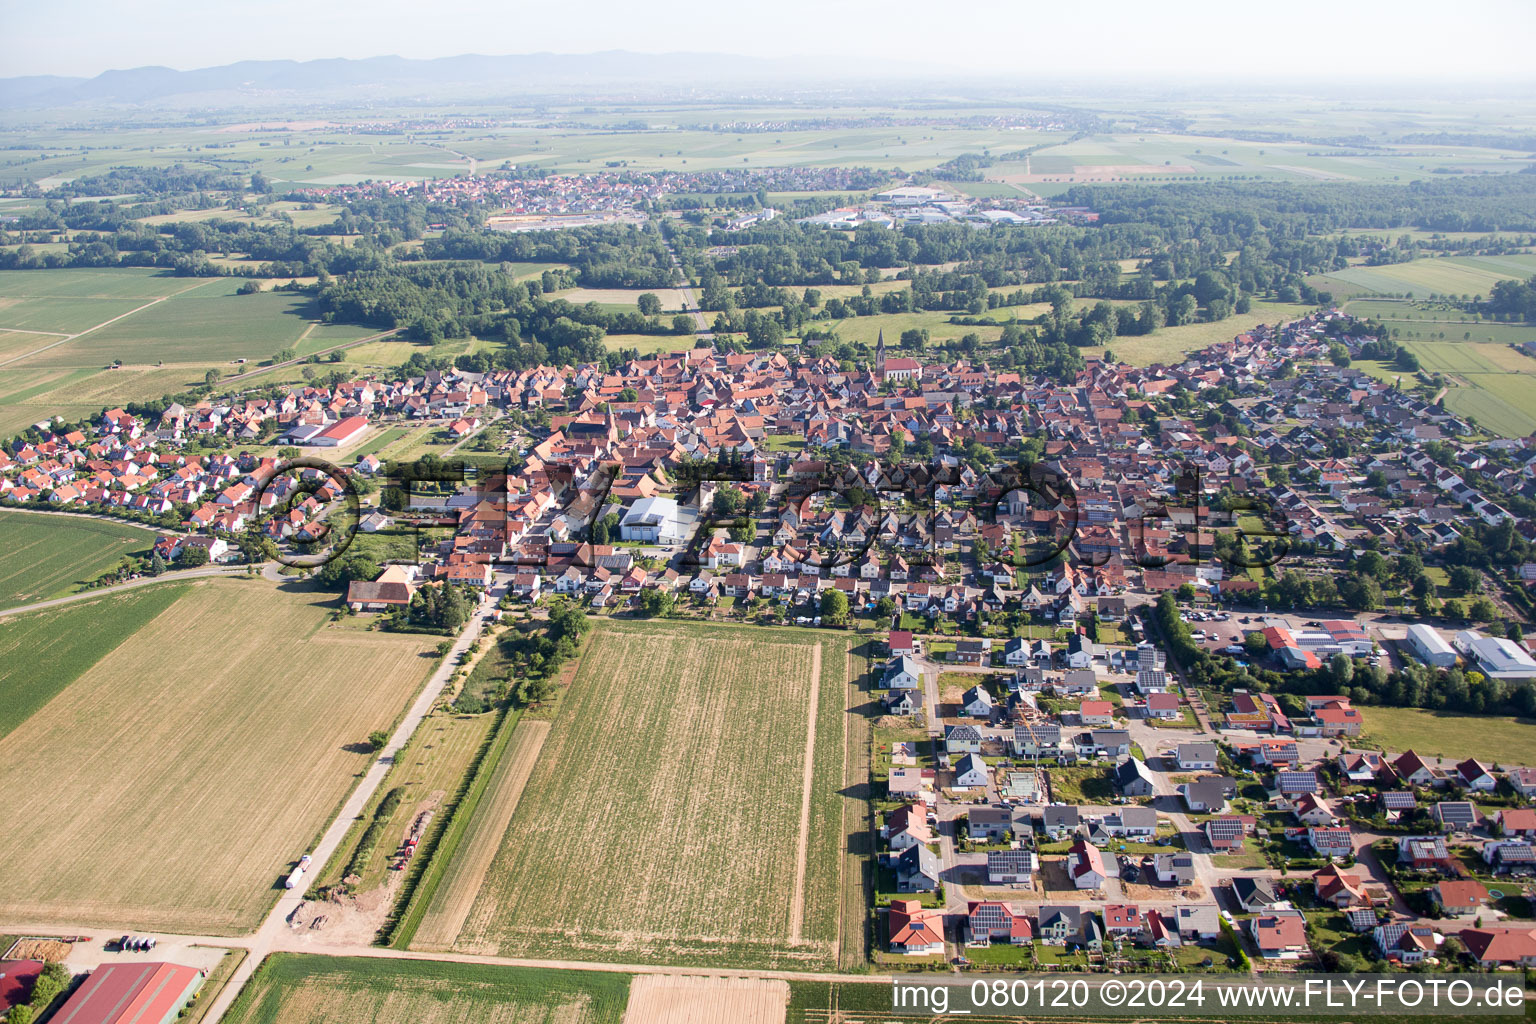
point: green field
(1499, 739)
(293, 988)
(51, 555)
(1454, 275)
(42, 653)
(673, 814)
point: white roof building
(1430, 646)
(1496, 657)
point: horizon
(1374, 41)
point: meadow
(43, 652)
(1494, 738)
(51, 555)
(293, 988)
(677, 813)
(196, 731)
(1443, 275)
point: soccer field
(684, 808)
(232, 723)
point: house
(1057, 820)
(1096, 712)
(1456, 815)
(986, 824)
(1037, 739)
(1225, 835)
(1395, 801)
(1524, 781)
(1208, 793)
(1458, 896)
(1424, 853)
(1330, 841)
(1087, 866)
(1500, 947)
(1122, 919)
(1506, 856)
(1280, 935)
(1164, 706)
(1339, 888)
(1078, 682)
(972, 652)
(917, 870)
(1254, 894)
(1058, 924)
(1150, 681)
(908, 783)
(1517, 821)
(913, 930)
(1200, 922)
(977, 702)
(1194, 757)
(378, 596)
(902, 673)
(1403, 942)
(908, 826)
(962, 739)
(1131, 822)
(971, 771)
(1414, 770)
(1292, 784)
(1474, 775)
(1011, 867)
(903, 702)
(899, 643)
(1174, 868)
(1361, 766)
(1016, 653)
(1133, 778)
(1160, 930)
(989, 921)
(1109, 742)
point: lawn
(676, 749)
(1496, 738)
(42, 653)
(48, 555)
(293, 988)
(231, 723)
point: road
(687, 293)
(274, 930)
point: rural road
(274, 933)
(116, 588)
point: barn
(132, 993)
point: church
(894, 369)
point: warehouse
(1430, 646)
(1496, 657)
(131, 993)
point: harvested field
(296, 989)
(663, 999)
(666, 817)
(230, 723)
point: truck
(298, 873)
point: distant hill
(286, 83)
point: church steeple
(880, 355)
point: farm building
(16, 980)
(132, 993)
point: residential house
(971, 771)
(989, 921)
(1459, 896)
(1280, 934)
(914, 930)
(1015, 866)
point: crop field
(46, 555)
(1494, 738)
(293, 988)
(231, 722)
(1495, 384)
(621, 298)
(684, 807)
(43, 652)
(649, 344)
(1454, 275)
(69, 301)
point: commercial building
(1430, 647)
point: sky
(1180, 39)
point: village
(1077, 801)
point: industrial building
(1496, 657)
(1430, 646)
(131, 993)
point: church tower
(880, 356)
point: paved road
(274, 931)
(143, 581)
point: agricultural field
(1453, 275)
(43, 652)
(195, 730)
(649, 344)
(681, 813)
(293, 988)
(1494, 738)
(52, 555)
(1495, 384)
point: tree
(649, 304)
(1465, 579)
(885, 607)
(191, 556)
(834, 606)
(156, 564)
(1255, 644)
(377, 739)
(1483, 610)
(656, 602)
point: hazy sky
(1424, 39)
